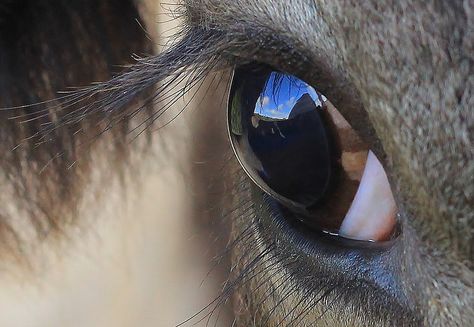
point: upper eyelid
(277, 42)
(281, 54)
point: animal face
(399, 73)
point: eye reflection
(296, 146)
(284, 97)
(278, 131)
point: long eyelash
(163, 79)
(46, 139)
(188, 62)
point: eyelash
(254, 261)
(189, 61)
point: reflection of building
(283, 97)
(304, 104)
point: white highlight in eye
(372, 213)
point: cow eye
(296, 147)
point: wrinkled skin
(402, 72)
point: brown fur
(410, 65)
(401, 72)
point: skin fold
(121, 231)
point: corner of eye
(372, 213)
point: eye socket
(297, 148)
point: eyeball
(277, 129)
(296, 147)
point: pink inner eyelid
(371, 215)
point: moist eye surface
(297, 148)
(277, 128)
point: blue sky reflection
(280, 95)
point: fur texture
(400, 71)
(409, 65)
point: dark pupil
(278, 133)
